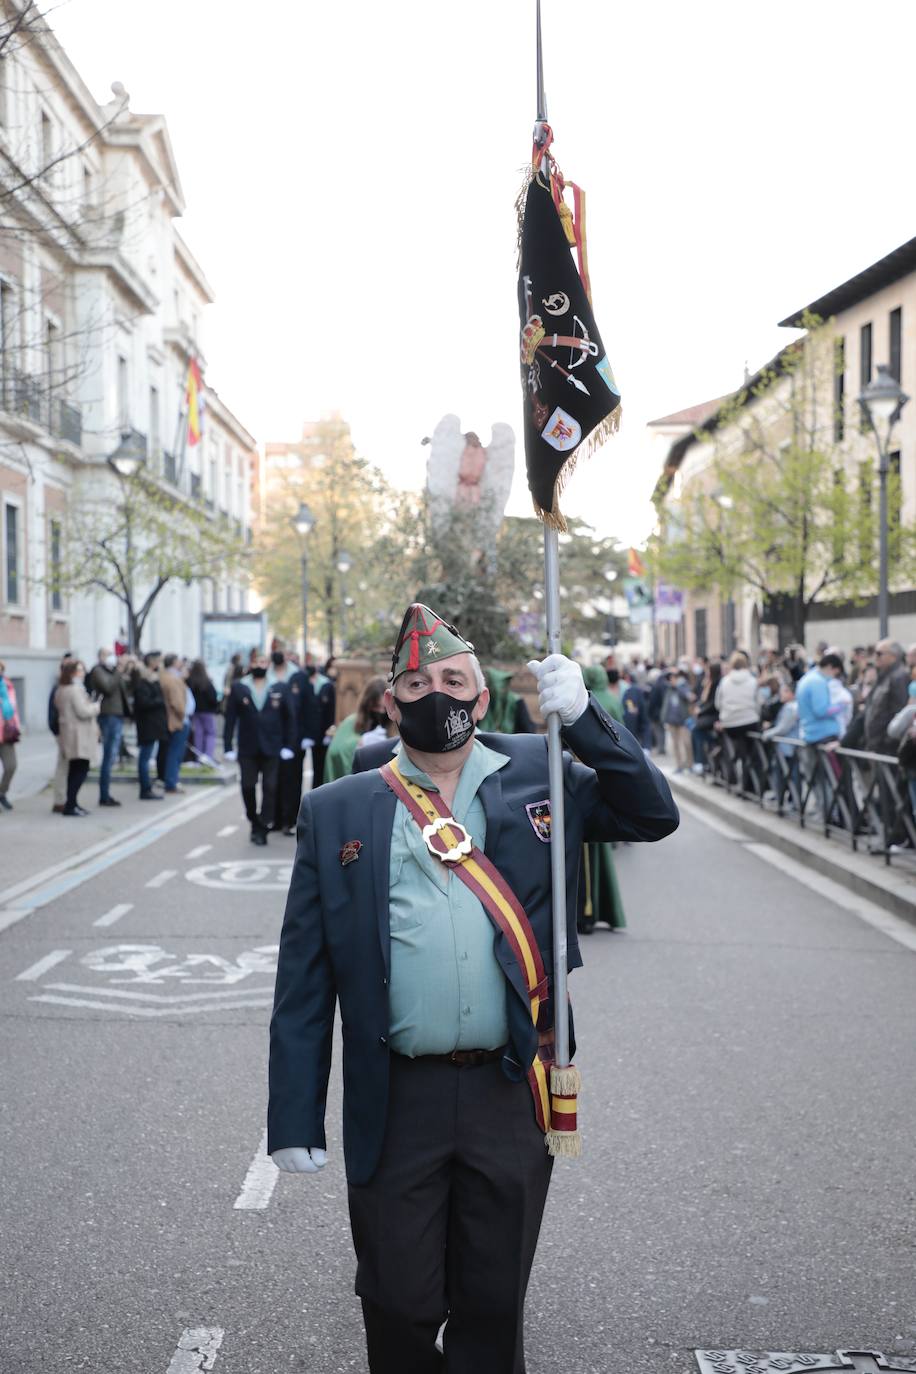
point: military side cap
(425, 638)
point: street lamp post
(882, 401)
(303, 523)
(126, 461)
(344, 564)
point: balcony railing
(28, 396)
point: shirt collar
(479, 764)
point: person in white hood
(736, 702)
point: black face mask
(437, 723)
(258, 672)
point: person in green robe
(599, 896)
(507, 713)
(368, 723)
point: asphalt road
(748, 1053)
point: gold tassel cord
(565, 1081)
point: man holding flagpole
(421, 902)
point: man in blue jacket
(446, 1165)
(266, 724)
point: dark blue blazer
(335, 943)
(260, 732)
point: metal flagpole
(554, 741)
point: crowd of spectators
(702, 713)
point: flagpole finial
(541, 97)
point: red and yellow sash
(450, 842)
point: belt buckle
(458, 851)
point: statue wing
(497, 477)
(446, 448)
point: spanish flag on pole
(194, 400)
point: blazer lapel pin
(350, 852)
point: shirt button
(467, 1011)
(384, 982)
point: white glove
(308, 744)
(286, 755)
(230, 756)
(326, 741)
(374, 736)
(560, 687)
(296, 1159)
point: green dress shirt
(446, 989)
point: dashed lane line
(260, 1181)
(162, 878)
(226, 830)
(196, 853)
(114, 914)
(35, 971)
(894, 927)
(197, 1349)
(42, 888)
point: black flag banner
(571, 400)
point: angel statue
(462, 475)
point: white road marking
(160, 997)
(259, 1181)
(226, 830)
(78, 868)
(114, 914)
(894, 927)
(196, 1349)
(162, 878)
(196, 853)
(34, 972)
(699, 813)
(147, 1011)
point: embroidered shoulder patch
(539, 816)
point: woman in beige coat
(79, 730)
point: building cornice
(116, 265)
(221, 411)
(192, 267)
(897, 264)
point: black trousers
(319, 752)
(448, 1224)
(290, 790)
(252, 767)
(76, 776)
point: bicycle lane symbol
(244, 875)
(126, 974)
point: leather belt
(465, 1059)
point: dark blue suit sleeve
(620, 794)
(302, 1024)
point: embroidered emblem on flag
(606, 373)
(539, 816)
(562, 431)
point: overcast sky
(350, 169)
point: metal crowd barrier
(854, 795)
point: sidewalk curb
(868, 876)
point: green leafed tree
(129, 537)
(786, 502)
(355, 511)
